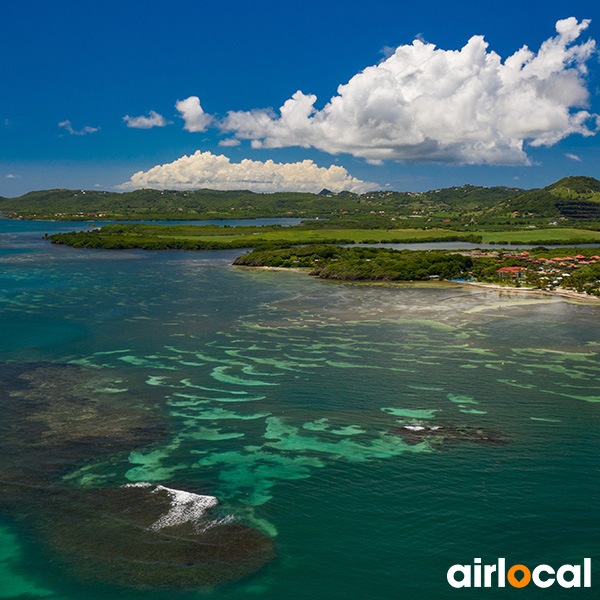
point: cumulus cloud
(207, 170)
(193, 115)
(87, 129)
(12, 176)
(573, 156)
(152, 120)
(423, 103)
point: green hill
(576, 198)
(576, 185)
(571, 198)
(167, 204)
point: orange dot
(518, 583)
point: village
(579, 272)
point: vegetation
(542, 237)
(570, 202)
(165, 205)
(539, 269)
(363, 264)
(212, 237)
(586, 280)
(565, 212)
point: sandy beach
(529, 290)
(491, 286)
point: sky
(273, 96)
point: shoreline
(266, 268)
(565, 293)
(570, 294)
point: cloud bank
(152, 120)
(193, 115)
(207, 170)
(423, 103)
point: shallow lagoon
(276, 394)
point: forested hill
(170, 204)
(575, 198)
(571, 198)
(203, 204)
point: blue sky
(88, 65)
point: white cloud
(207, 170)
(230, 142)
(12, 176)
(423, 103)
(152, 120)
(193, 115)
(87, 129)
(573, 156)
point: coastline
(570, 294)
(529, 290)
(266, 268)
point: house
(512, 272)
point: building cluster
(550, 265)
(550, 270)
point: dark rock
(56, 418)
(448, 434)
(53, 416)
(145, 537)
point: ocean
(321, 439)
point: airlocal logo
(478, 575)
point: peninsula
(566, 212)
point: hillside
(569, 199)
(177, 205)
(205, 204)
(587, 186)
(576, 198)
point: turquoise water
(277, 394)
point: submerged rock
(56, 418)
(53, 416)
(151, 536)
(448, 434)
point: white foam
(414, 427)
(185, 507)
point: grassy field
(542, 236)
(292, 236)
(159, 237)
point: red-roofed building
(512, 272)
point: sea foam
(185, 506)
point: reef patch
(58, 418)
(448, 434)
